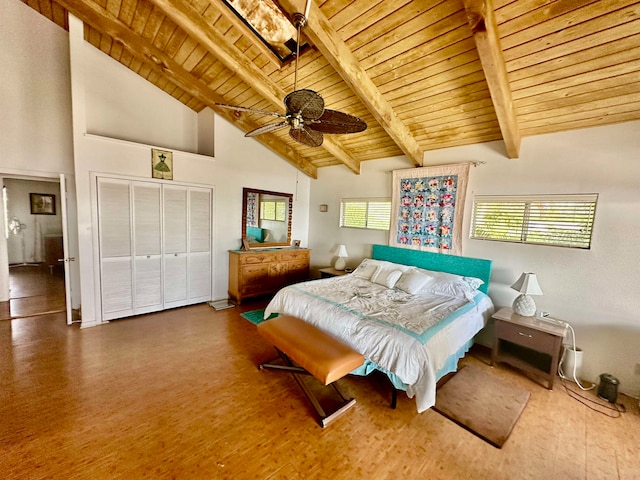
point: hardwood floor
(177, 395)
(34, 290)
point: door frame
(71, 277)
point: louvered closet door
(116, 269)
(147, 246)
(199, 245)
(174, 201)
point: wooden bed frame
(467, 266)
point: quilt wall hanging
(427, 208)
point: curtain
(427, 208)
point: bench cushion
(319, 353)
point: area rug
(484, 404)
(257, 316)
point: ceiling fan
(305, 114)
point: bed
(412, 314)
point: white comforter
(410, 336)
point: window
(373, 213)
(560, 220)
(269, 24)
(271, 210)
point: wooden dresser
(260, 272)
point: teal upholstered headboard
(470, 267)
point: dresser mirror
(266, 218)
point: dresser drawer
(255, 273)
(525, 336)
(292, 255)
(255, 258)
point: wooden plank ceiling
(423, 74)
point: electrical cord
(619, 409)
(575, 349)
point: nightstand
(531, 344)
(331, 272)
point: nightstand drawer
(527, 337)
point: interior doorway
(34, 248)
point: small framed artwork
(42, 204)
(324, 208)
(245, 244)
(296, 244)
(161, 164)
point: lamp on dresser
(341, 253)
(527, 285)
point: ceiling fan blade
(332, 121)
(307, 103)
(250, 110)
(272, 127)
(306, 136)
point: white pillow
(412, 281)
(451, 285)
(386, 276)
(473, 282)
(368, 267)
(365, 270)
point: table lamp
(341, 252)
(527, 285)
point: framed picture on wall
(42, 204)
(161, 164)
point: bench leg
(325, 418)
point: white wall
(597, 291)
(35, 94)
(144, 115)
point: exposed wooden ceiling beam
(342, 59)
(482, 21)
(188, 19)
(140, 48)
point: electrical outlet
(637, 369)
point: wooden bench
(305, 349)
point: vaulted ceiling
(423, 74)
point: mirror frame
(246, 190)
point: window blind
(372, 213)
(560, 220)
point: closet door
(174, 248)
(147, 247)
(199, 245)
(116, 266)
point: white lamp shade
(341, 252)
(527, 284)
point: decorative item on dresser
(531, 344)
(261, 272)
